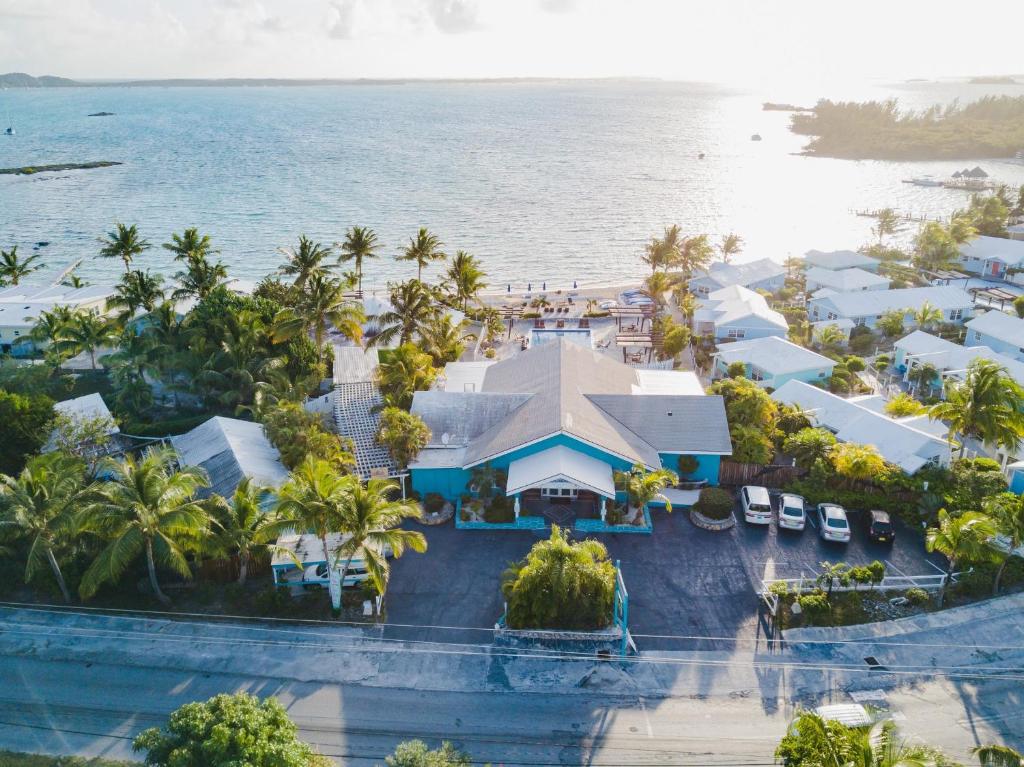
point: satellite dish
(446, 438)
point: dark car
(880, 527)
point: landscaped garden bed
(713, 510)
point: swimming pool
(579, 336)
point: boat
(924, 181)
(756, 137)
(701, 156)
(9, 131)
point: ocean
(542, 181)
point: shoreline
(583, 291)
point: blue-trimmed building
(559, 419)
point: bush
(687, 464)
(273, 600)
(542, 594)
(814, 606)
(490, 354)
(414, 753)
(917, 597)
(714, 503)
(433, 503)
(166, 427)
(499, 511)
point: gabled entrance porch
(560, 484)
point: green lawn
(18, 759)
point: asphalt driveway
(688, 588)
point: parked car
(791, 512)
(757, 505)
(832, 523)
(880, 527)
(848, 714)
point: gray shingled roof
(463, 416)
(672, 423)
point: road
(87, 685)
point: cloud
(341, 19)
(454, 16)
(558, 6)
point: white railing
(888, 583)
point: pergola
(993, 295)
(642, 313)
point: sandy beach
(583, 291)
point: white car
(832, 523)
(607, 304)
(757, 505)
(791, 512)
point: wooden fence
(733, 473)
(226, 570)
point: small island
(878, 130)
(29, 170)
(993, 80)
(771, 106)
(102, 114)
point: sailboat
(9, 131)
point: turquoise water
(542, 181)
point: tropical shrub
(815, 605)
(414, 753)
(433, 503)
(24, 418)
(917, 597)
(225, 731)
(298, 433)
(404, 434)
(714, 503)
(687, 464)
(561, 584)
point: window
(832, 316)
(977, 336)
(956, 314)
(734, 333)
(860, 322)
(815, 312)
(755, 374)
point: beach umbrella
(574, 285)
(958, 174)
(978, 172)
(509, 288)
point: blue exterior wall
(774, 382)
(449, 483)
(617, 464)
(974, 338)
(752, 327)
(707, 466)
(1017, 481)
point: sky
(748, 42)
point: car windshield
(760, 507)
(792, 511)
(882, 527)
(836, 522)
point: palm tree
(369, 523)
(406, 371)
(962, 539)
(305, 261)
(731, 245)
(927, 315)
(423, 249)
(199, 278)
(13, 269)
(887, 223)
(961, 230)
(695, 253)
(86, 331)
(241, 360)
(1007, 511)
(995, 755)
(39, 503)
(50, 324)
(465, 278)
(830, 575)
(882, 746)
(810, 447)
(643, 486)
(857, 463)
(442, 339)
(325, 302)
(124, 243)
(688, 305)
(146, 507)
(190, 245)
(656, 286)
(987, 404)
(925, 374)
(412, 307)
(241, 526)
(830, 337)
(360, 244)
(661, 253)
(137, 290)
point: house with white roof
(1016, 232)
(999, 331)
(910, 443)
(558, 420)
(844, 280)
(763, 274)
(228, 450)
(950, 359)
(866, 307)
(772, 361)
(994, 258)
(87, 409)
(21, 305)
(737, 312)
(840, 259)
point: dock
(902, 216)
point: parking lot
(684, 583)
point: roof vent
(446, 438)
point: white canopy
(560, 464)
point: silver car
(832, 523)
(791, 512)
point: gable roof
(838, 259)
(89, 406)
(1000, 326)
(985, 248)
(21, 305)
(228, 450)
(744, 274)
(774, 355)
(734, 303)
(862, 303)
(947, 355)
(853, 278)
(672, 423)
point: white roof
(984, 248)
(946, 355)
(837, 259)
(560, 463)
(1000, 326)
(308, 549)
(843, 323)
(21, 305)
(743, 274)
(843, 280)
(667, 382)
(774, 355)
(862, 303)
(465, 376)
(734, 303)
(353, 364)
(252, 453)
(900, 443)
(90, 406)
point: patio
(560, 511)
